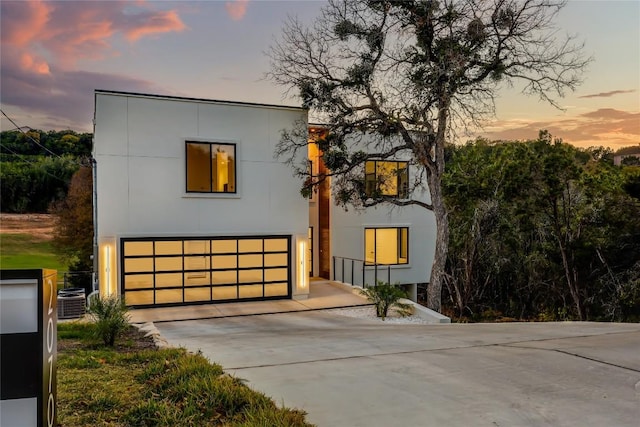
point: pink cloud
(42, 42)
(31, 64)
(71, 30)
(236, 9)
(22, 22)
(605, 126)
(161, 22)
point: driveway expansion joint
(557, 350)
(459, 347)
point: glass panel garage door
(201, 270)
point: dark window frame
(210, 144)
(402, 191)
(375, 238)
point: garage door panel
(169, 271)
(250, 291)
(221, 293)
(169, 264)
(138, 281)
(276, 245)
(225, 277)
(138, 248)
(201, 262)
(197, 294)
(196, 247)
(275, 274)
(139, 298)
(224, 246)
(276, 260)
(168, 280)
(250, 276)
(197, 278)
(250, 245)
(276, 289)
(168, 296)
(224, 261)
(168, 247)
(134, 265)
(247, 261)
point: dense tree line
(46, 143)
(36, 167)
(542, 230)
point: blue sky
(54, 54)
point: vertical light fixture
(107, 269)
(301, 267)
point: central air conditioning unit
(71, 303)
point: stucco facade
(163, 241)
(139, 148)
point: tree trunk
(434, 291)
(572, 280)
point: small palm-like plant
(385, 296)
(111, 318)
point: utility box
(28, 348)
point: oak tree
(389, 78)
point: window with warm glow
(211, 167)
(386, 245)
(386, 178)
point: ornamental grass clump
(385, 296)
(111, 318)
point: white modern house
(193, 208)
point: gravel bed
(370, 313)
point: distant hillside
(45, 143)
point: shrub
(385, 296)
(111, 318)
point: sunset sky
(54, 54)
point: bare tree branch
(395, 79)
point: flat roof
(182, 98)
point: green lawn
(26, 251)
(134, 384)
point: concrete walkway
(323, 294)
(355, 372)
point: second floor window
(386, 178)
(211, 167)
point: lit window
(386, 178)
(211, 167)
(386, 245)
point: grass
(19, 251)
(135, 384)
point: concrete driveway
(352, 372)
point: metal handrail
(364, 267)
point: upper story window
(211, 167)
(386, 178)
